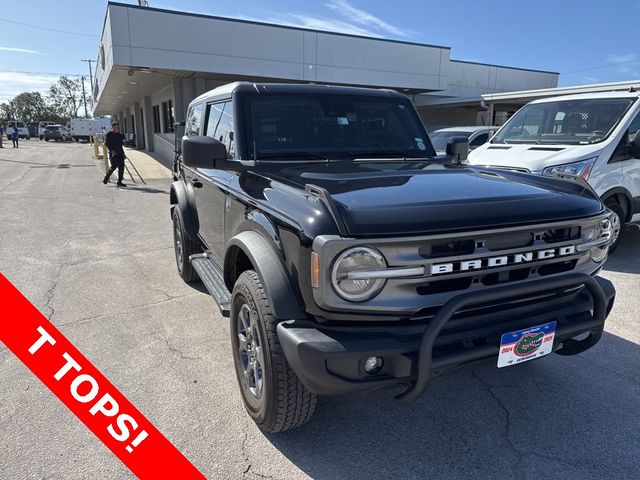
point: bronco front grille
(463, 262)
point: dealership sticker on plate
(524, 345)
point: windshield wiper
(300, 155)
(384, 154)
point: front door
(211, 197)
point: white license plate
(527, 344)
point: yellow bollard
(95, 148)
(105, 157)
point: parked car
(590, 135)
(477, 136)
(349, 256)
(55, 132)
(42, 126)
(23, 130)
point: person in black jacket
(113, 140)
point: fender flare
(612, 192)
(180, 198)
(266, 262)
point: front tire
(273, 395)
(617, 224)
(184, 247)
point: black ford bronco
(349, 256)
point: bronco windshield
(316, 126)
(572, 122)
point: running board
(211, 276)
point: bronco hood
(440, 198)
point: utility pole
(90, 80)
(84, 96)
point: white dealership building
(153, 62)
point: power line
(43, 73)
(635, 60)
(48, 29)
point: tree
(29, 107)
(65, 97)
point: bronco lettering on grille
(502, 260)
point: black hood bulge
(441, 198)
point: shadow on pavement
(574, 415)
(136, 188)
(199, 287)
(626, 258)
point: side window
(194, 117)
(479, 140)
(224, 130)
(213, 117)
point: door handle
(196, 183)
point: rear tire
(184, 247)
(273, 395)
(617, 225)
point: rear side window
(194, 118)
(220, 125)
(213, 117)
(224, 132)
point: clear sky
(586, 41)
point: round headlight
(358, 259)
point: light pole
(90, 80)
(84, 97)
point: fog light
(373, 365)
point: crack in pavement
(50, 293)
(137, 308)
(245, 456)
(507, 414)
(177, 350)
(524, 453)
(147, 281)
(14, 181)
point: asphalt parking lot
(98, 261)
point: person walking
(1, 133)
(113, 140)
(15, 136)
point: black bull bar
(425, 356)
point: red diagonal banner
(86, 392)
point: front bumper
(330, 359)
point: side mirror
(458, 147)
(202, 152)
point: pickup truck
(349, 257)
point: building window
(156, 119)
(167, 116)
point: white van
(23, 130)
(591, 135)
